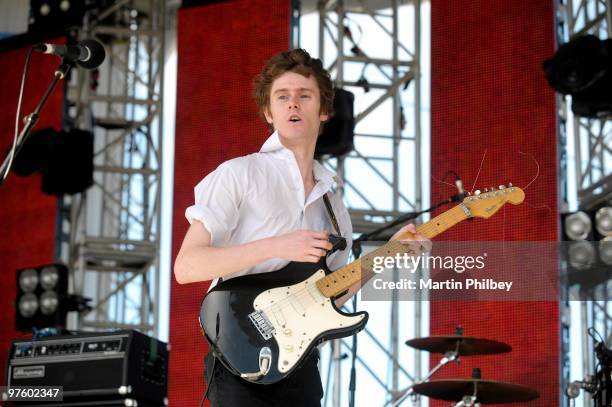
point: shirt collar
(324, 174)
(273, 144)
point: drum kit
(470, 392)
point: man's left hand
(415, 243)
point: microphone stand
(32, 118)
(356, 248)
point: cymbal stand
(451, 356)
(468, 401)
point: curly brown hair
(298, 61)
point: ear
(268, 115)
(323, 116)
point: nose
(293, 103)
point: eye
(305, 96)
(283, 97)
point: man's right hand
(302, 245)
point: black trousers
(301, 389)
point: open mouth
(295, 119)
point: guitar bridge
(262, 324)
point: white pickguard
(299, 313)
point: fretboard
(343, 278)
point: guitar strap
(330, 212)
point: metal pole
(337, 358)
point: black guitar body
(232, 335)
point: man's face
(295, 105)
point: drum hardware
(599, 385)
(403, 394)
(452, 347)
(475, 391)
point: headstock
(487, 203)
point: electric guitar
(262, 326)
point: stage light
(581, 255)
(28, 280)
(603, 221)
(28, 305)
(49, 277)
(65, 160)
(48, 302)
(605, 250)
(578, 226)
(45, 9)
(50, 15)
(338, 133)
(42, 297)
(582, 68)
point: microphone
(573, 389)
(460, 191)
(88, 54)
(459, 185)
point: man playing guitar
(255, 214)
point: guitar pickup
(262, 324)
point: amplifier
(124, 364)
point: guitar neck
(343, 278)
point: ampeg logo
(27, 372)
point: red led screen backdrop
(493, 119)
(27, 216)
(221, 47)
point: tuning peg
(486, 190)
(468, 193)
(492, 189)
(477, 192)
(502, 186)
(510, 185)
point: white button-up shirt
(262, 195)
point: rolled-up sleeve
(217, 204)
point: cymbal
(468, 346)
(487, 391)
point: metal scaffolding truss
(589, 183)
(391, 70)
(362, 44)
(592, 138)
(114, 227)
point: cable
(209, 381)
(592, 331)
(24, 76)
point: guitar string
(479, 169)
(389, 247)
(454, 216)
(304, 293)
(537, 172)
(443, 182)
(426, 227)
(531, 182)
